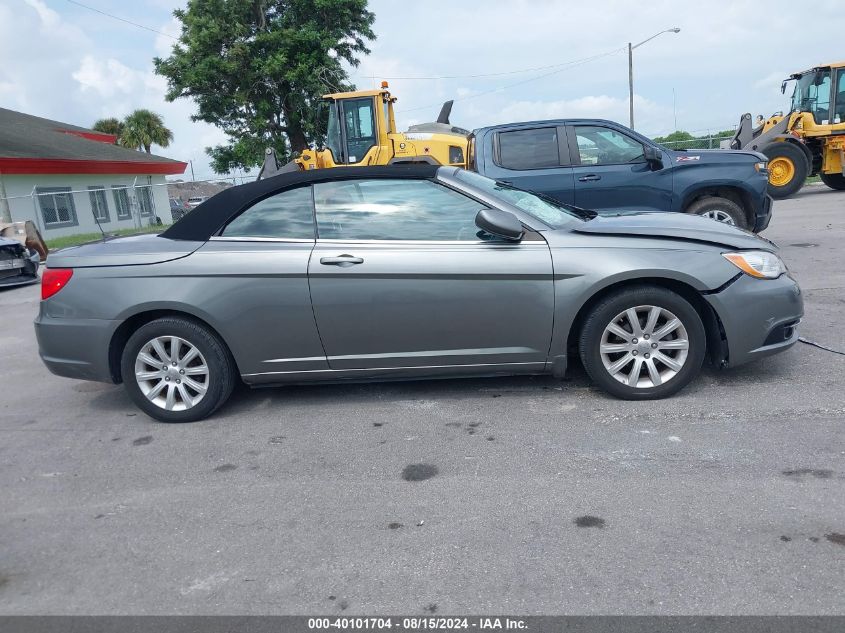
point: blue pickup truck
(606, 167)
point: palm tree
(144, 128)
(111, 125)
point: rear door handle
(341, 260)
(589, 178)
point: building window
(145, 200)
(57, 208)
(121, 201)
(99, 206)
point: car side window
(394, 209)
(286, 215)
(536, 148)
(599, 145)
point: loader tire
(788, 169)
(834, 181)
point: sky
(66, 62)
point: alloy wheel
(719, 216)
(644, 346)
(171, 373)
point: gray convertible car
(403, 272)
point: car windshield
(546, 209)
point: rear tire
(177, 370)
(834, 181)
(788, 169)
(668, 353)
(719, 209)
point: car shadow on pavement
(763, 374)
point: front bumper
(759, 316)
(763, 215)
(22, 276)
(75, 348)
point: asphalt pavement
(507, 495)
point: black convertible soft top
(209, 217)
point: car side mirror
(500, 224)
(653, 156)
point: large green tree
(257, 68)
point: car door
(402, 278)
(612, 174)
(534, 159)
(253, 278)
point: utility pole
(631, 71)
(631, 85)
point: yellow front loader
(362, 131)
(810, 140)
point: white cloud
(107, 78)
(49, 18)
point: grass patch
(65, 241)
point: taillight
(53, 280)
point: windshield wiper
(584, 214)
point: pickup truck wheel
(834, 181)
(719, 209)
(788, 169)
(642, 343)
(177, 370)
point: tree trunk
(296, 135)
(298, 142)
(147, 148)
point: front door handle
(589, 178)
(341, 260)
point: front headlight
(761, 166)
(759, 264)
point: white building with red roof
(69, 179)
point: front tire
(788, 169)
(177, 370)
(834, 181)
(642, 343)
(719, 209)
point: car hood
(123, 251)
(676, 226)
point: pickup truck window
(528, 149)
(547, 210)
(602, 146)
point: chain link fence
(703, 142)
(68, 210)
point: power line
(498, 74)
(566, 66)
(114, 17)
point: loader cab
(358, 126)
(814, 93)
